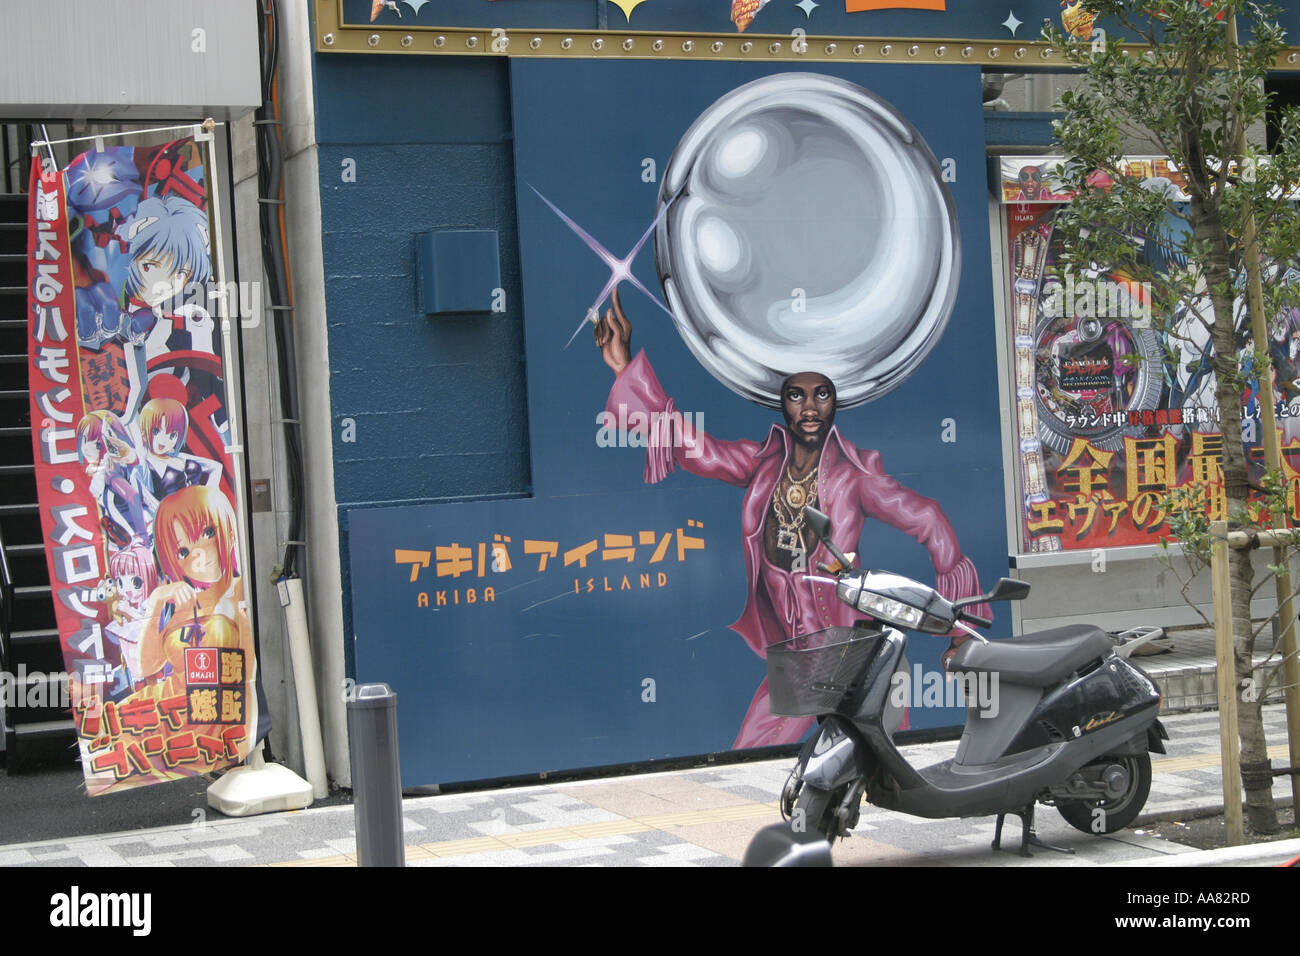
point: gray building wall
(128, 59)
(321, 569)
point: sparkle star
(1011, 23)
(98, 177)
(620, 270)
(415, 5)
(807, 6)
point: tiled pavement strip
(701, 817)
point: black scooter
(1070, 722)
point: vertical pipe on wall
(304, 680)
(205, 136)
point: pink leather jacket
(852, 486)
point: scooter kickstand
(1028, 837)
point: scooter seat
(1035, 660)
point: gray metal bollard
(376, 777)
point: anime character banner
(746, 292)
(1115, 410)
(135, 485)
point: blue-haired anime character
(168, 251)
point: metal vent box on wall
(458, 270)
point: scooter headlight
(887, 609)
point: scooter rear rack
(1126, 642)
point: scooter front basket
(810, 674)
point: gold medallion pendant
(789, 499)
(795, 496)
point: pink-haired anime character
(134, 577)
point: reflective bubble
(808, 229)
(723, 254)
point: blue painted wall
(437, 403)
(562, 650)
(438, 408)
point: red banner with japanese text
(1108, 423)
(135, 485)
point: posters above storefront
(757, 224)
(1032, 179)
(136, 490)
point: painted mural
(744, 275)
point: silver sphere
(808, 228)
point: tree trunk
(1261, 814)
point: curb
(1194, 809)
(1254, 854)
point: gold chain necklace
(788, 506)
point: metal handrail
(6, 604)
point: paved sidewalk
(700, 817)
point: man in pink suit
(806, 462)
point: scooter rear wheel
(1116, 813)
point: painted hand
(176, 592)
(614, 337)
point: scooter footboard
(1013, 781)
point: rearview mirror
(1007, 589)
(821, 526)
(818, 522)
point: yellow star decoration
(627, 6)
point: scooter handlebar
(974, 619)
